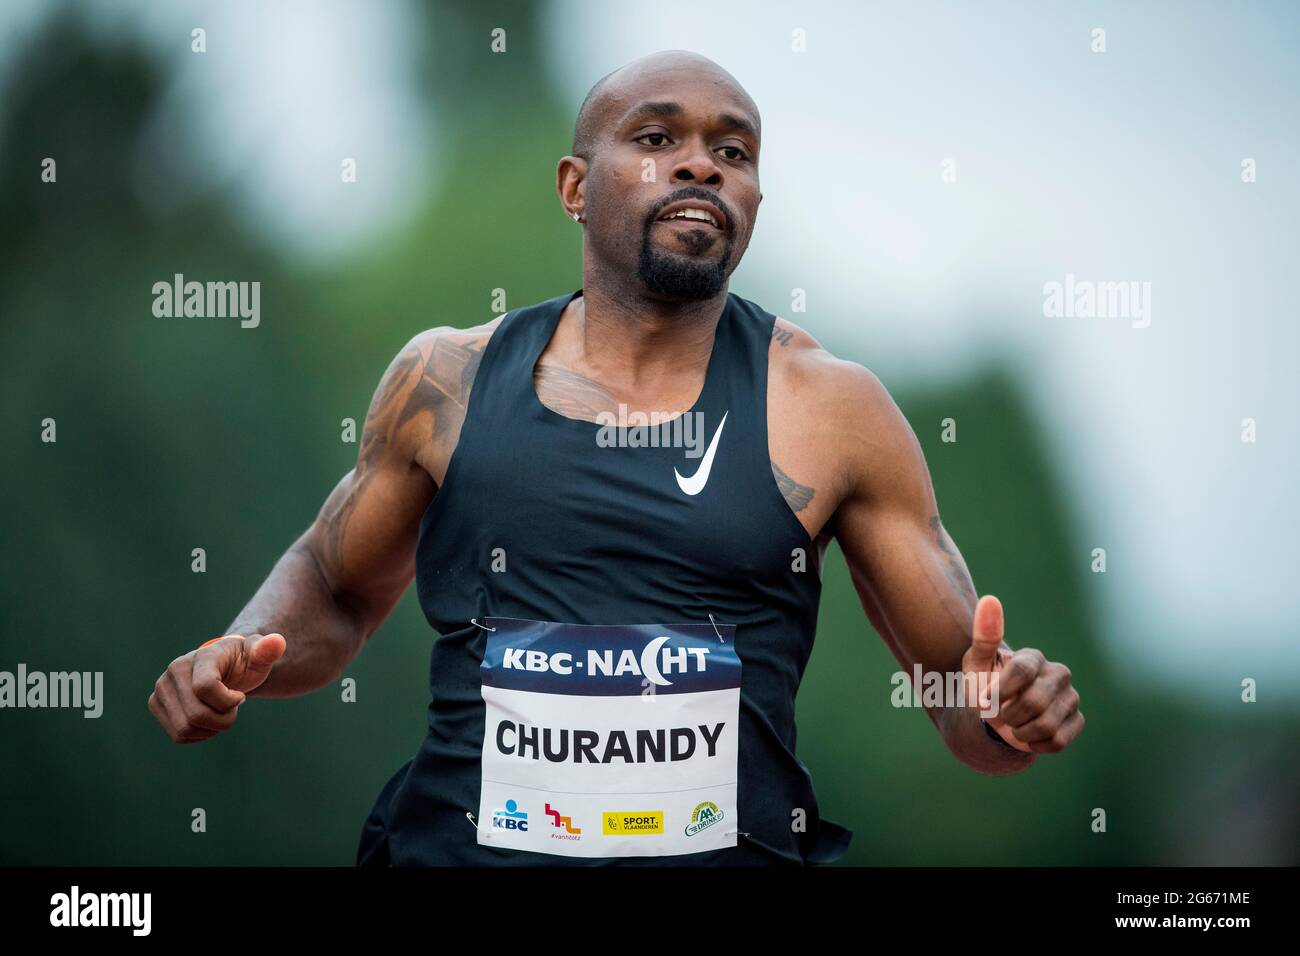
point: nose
(696, 163)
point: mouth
(693, 213)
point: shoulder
(430, 376)
(439, 363)
(813, 379)
(841, 404)
(445, 349)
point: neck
(638, 339)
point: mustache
(697, 193)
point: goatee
(680, 277)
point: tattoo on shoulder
(445, 382)
(957, 572)
(796, 495)
(782, 336)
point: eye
(740, 153)
(662, 137)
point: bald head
(615, 91)
(669, 130)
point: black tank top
(605, 535)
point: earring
(576, 217)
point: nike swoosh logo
(695, 484)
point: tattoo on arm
(377, 432)
(782, 336)
(798, 496)
(957, 572)
(446, 371)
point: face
(671, 192)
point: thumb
(260, 652)
(986, 635)
(263, 650)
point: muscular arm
(335, 585)
(909, 575)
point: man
(626, 599)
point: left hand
(1038, 709)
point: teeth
(692, 214)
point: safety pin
(484, 626)
(472, 821)
(715, 628)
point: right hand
(199, 694)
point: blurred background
(927, 169)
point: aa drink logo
(702, 817)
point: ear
(570, 174)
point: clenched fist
(199, 694)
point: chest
(800, 452)
(626, 500)
(634, 467)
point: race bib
(609, 740)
